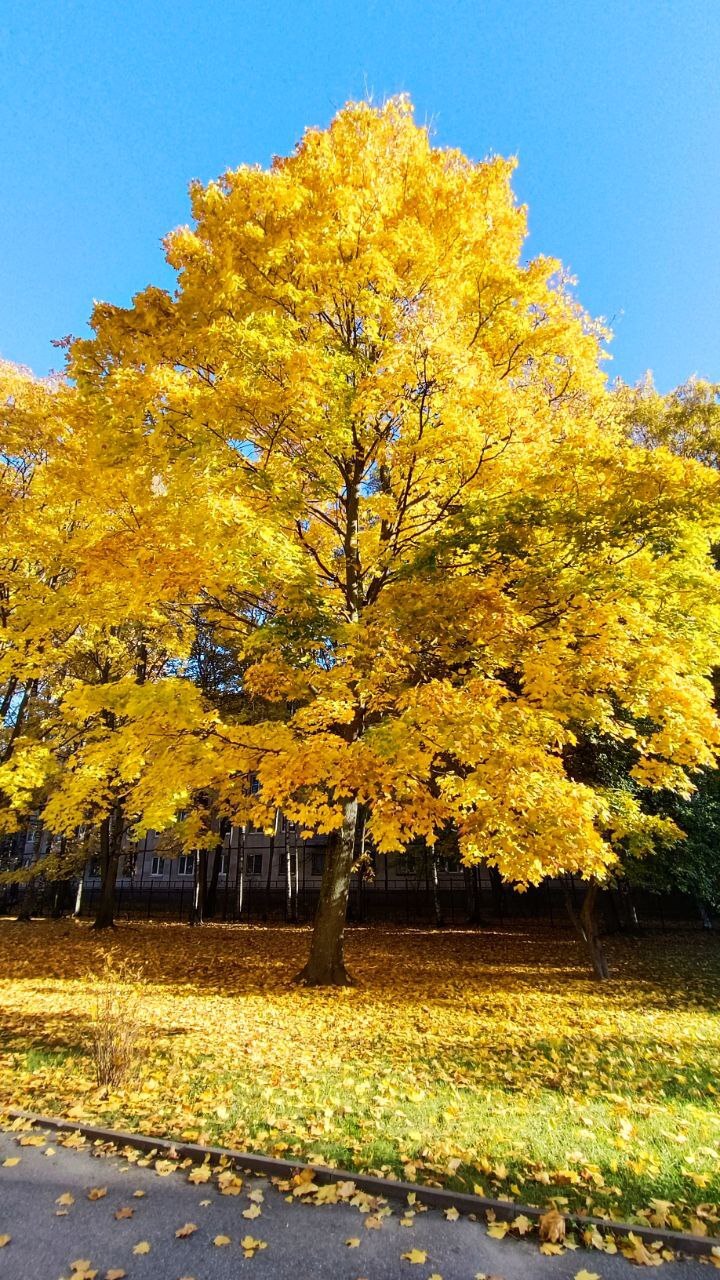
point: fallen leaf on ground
(142, 1247)
(251, 1246)
(115, 1273)
(353, 1242)
(188, 1229)
(452, 1214)
(552, 1226)
(521, 1224)
(221, 1240)
(415, 1255)
(4, 1240)
(97, 1193)
(498, 1230)
(11, 1162)
(124, 1212)
(253, 1211)
(66, 1198)
(634, 1250)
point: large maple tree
(374, 447)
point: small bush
(116, 1025)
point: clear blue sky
(107, 110)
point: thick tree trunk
(110, 850)
(326, 962)
(585, 924)
(28, 902)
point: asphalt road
(303, 1241)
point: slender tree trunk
(704, 913)
(585, 923)
(289, 896)
(437, 905)
(240, 886)
(326, 962)
(20, 716)
(110, 849)
(212, 886)
(199, 887)
(472, 889)
(268, 882)
(58, 886)
(9, 694)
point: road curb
(434, 1197)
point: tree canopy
(372, 449)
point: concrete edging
(434, 1197)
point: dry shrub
(117, 1023)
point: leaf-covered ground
(484, 1059)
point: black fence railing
(413, 903)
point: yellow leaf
(142, 1247)
(353, 1242)
(97, 1193)
(11, 1162)
(4, 1240)
(219, 1241)
(188, 1229)
(253, 1211)
(452, 1214)
(67, 1198)
(521, 1224)
(498, 1230)
(415, 1255)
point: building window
(186, 864)
(157, 867)
(253, 864)
(128, 866)
(317, 861)
(405, 864)
(224, 860)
